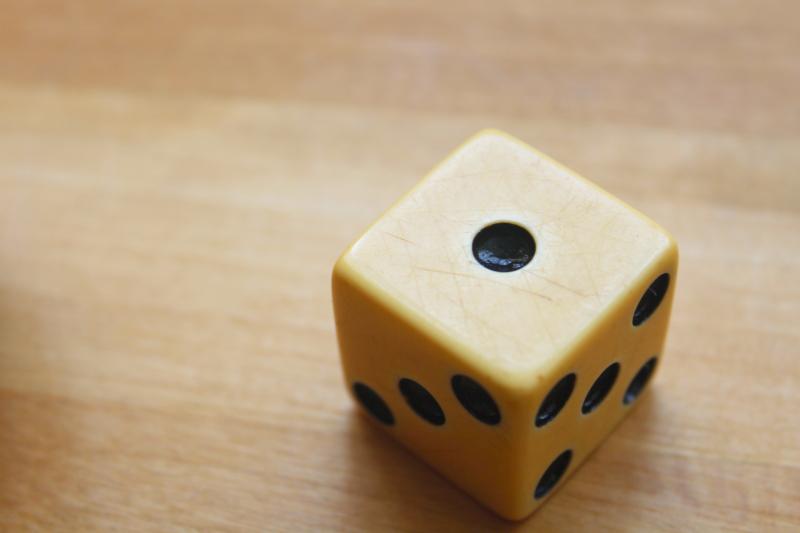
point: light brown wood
(178, 177)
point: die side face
(612, 365)
(503, 371)
(381, 346)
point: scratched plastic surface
(412, 301)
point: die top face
(512, 319)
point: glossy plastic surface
(412, 302)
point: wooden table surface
(178, 177)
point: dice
(502, 318)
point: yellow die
(502, 317)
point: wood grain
(178, 177)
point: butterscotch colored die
(502, 318)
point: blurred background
(178, 177)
